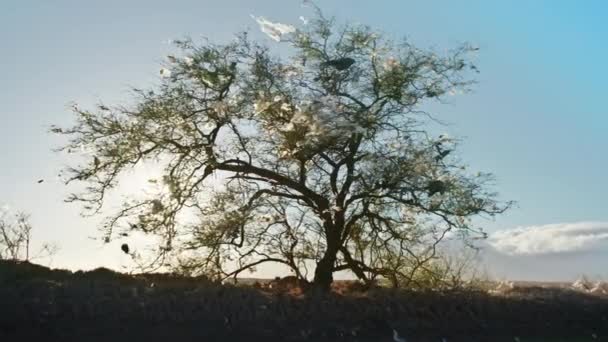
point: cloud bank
(550, 238)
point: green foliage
(322, 158)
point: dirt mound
(101, 305)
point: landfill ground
(40, 304)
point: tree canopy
(319, 156)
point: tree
(16, 238)
(320, 157)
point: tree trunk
(325, 267)
(324, 273)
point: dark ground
(54, 305)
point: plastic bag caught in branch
(273, 30)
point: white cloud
(274, 30)
(550, 238)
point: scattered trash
(165, 72)
(340, 63)
(582, 284)
(273, 30)
(125, 248)
(503, 287)
(396, 337)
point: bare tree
(16, 239)
(321, 157)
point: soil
(37, 303)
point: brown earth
(40, 304)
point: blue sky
(537, 118)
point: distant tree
(16, 239)
(321, 157)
